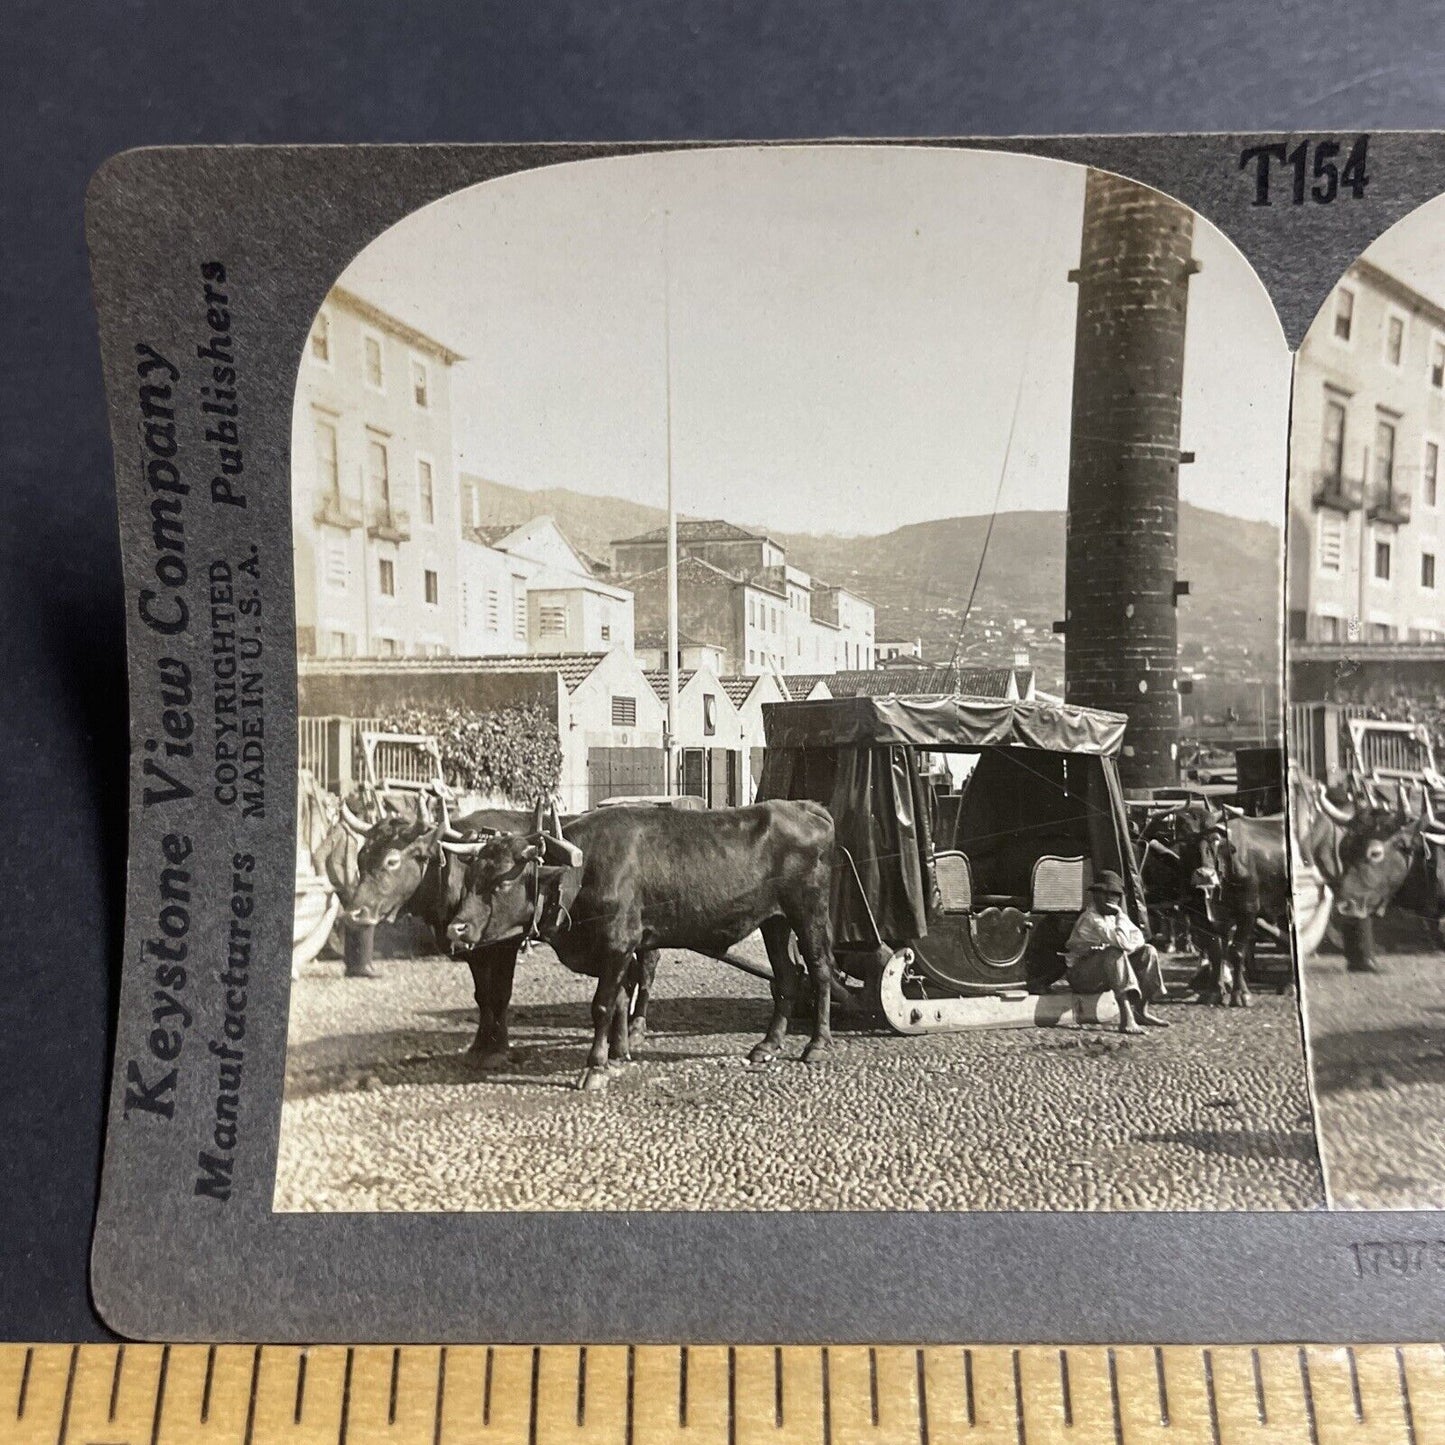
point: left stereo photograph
(694, 554)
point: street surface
(384, 1113)
(1378, 1044)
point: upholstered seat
(1059, 884)
(955, 881)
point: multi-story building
(526, 588)
(1366, 553)
(373, 487)
(737, 592)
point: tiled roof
(658, 638)
(574, 668)
(689, 530)
(799, 684)
(658, 679)
(490, 535)
(738, 688)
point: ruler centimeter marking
(720, 1395)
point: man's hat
(1108, 882)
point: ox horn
(352, 823)
(1155, 846)
(464, 850)
(1343, 816)
(1427, 808)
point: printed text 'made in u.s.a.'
(239, 696)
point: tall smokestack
(1121, 636)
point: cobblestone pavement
(1378, 1045)
(384, 1113)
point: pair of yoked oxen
(606, 891)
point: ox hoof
(1243, 1001)
(487, 1059)
(367, 972)
(761, 1055)
(637, 1034)
(817, 1050)
(592, 1081)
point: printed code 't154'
(1399, 1257)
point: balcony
(333, 510)
(1389, 505)
(386, 523)
(1339, 493)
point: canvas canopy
(1046, 782)
(943, 722)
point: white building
(373, 487)
(1366, 553)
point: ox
(420, 868)
(655, 878)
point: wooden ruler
(716, 1395)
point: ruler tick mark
(536, 1375)
(251, 1402)
(872, 1383)
(777, 1387)
(968, 1384)
(631, 1386)
(1405, 1396)
(922, 1399)
(300, 1389)
(1260, 1408)
(1163, 1385)
(581, 1384)
(436, 1436)
(1210, 1396)
(1304, 1374)
(732, 1396)
(24, 1384)
(206, 1391)
(160, 1394)
(115, 1382)
(828, 1400)
(1018, 1397)
(1064, 1387)
(487, 1390)
(1114, 1396)
(395, 1371)
(1355, 1398)
(345, 1399)
(69, 1391)
(682, 1389)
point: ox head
(506, 876)
(1376, 854)
(391, 864)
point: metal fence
(330, 748)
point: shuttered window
(624, 711)
(1332, 541)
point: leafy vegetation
(514, 751)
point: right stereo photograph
(1366, 684)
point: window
(1427, 570)
(328, 473)
(1381, 632)
(1332, 541)
(1332, 452)
(1344, 314)
(432, 584)
(624, 711)
(1437, 364)
(1394, 339)
(1382, 561)
(1430, 474)
(494, 610)
(1384, 453)
(426, 492)
(336, 568)
(552, 619)
(709, 715)
(371, 362)
(752, 658)
(321, 343)
(1330, 629)
(419, 384)
(339, 644)
(519, 607)
(387, 580)
(378, 474)
(388, 647)
(607, 632)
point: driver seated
(1107, 953)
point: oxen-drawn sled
(952, 900)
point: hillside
(919, 577)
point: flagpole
(670, 742)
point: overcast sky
(850, 328)
(1411, 249)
